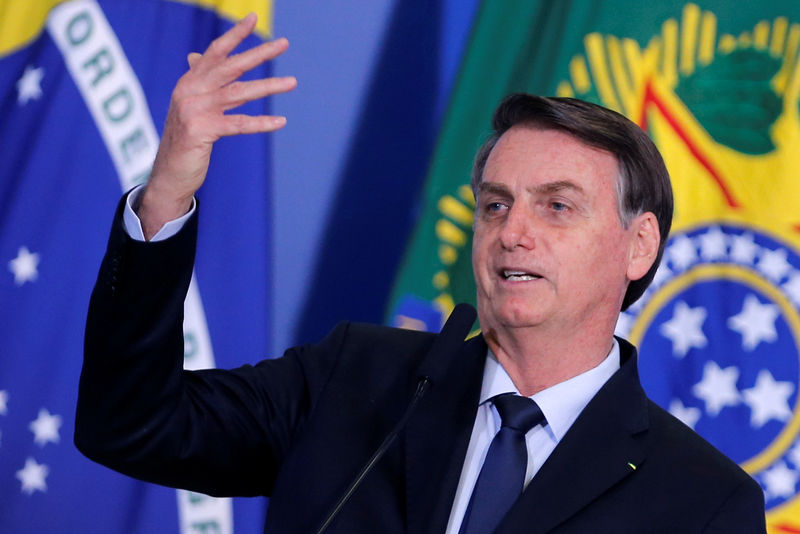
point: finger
(225, 43)
(247, 124)
(193, 58)
(235, 66)
(254, 57)
(238, 93)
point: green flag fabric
(716, 85)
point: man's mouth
(518, 276)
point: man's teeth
(519, 276)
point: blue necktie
(502, 476)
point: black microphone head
(461, 319)
(448, 342)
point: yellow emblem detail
(712, 181)
(453, 230)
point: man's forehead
(540, 146)
(563, 135)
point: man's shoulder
(679, 445)
(676, 442)
(361, 348)
(356, 342)
(378, 332)
(360, 337)
(677, 457)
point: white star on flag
(689, 415)
(768, 399)
(683, 252)
(718, 387)
(685, 328)
(45, 428)
(743, 249)
(33, 476)
(780, 480)
(29, 86)
(756, 322)
(3, 402)
(773, 264)
(25, 266)
(713, 244)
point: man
(573, 209)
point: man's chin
(522, 323)
(519, 318)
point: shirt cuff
(133, 226)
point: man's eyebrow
(492, 187)
(541, 189)
(555, 187)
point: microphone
(432, 371)
(436, 363)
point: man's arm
(213, 431)
(196, 119)
(138, 411)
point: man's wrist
(133, 224)
(156, 208)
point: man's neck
(536, 359)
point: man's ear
(645, 239)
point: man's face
(549, 248)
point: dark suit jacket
(298, 428)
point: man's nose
(518, 228)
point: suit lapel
(596, 453)
(437, 437)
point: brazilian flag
(716, 85)
(84, 91)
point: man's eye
(494, 206)
(558, 206)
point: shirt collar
(562, 403)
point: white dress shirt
(561, 404)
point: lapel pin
(632, 466)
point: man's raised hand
(196, 119)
